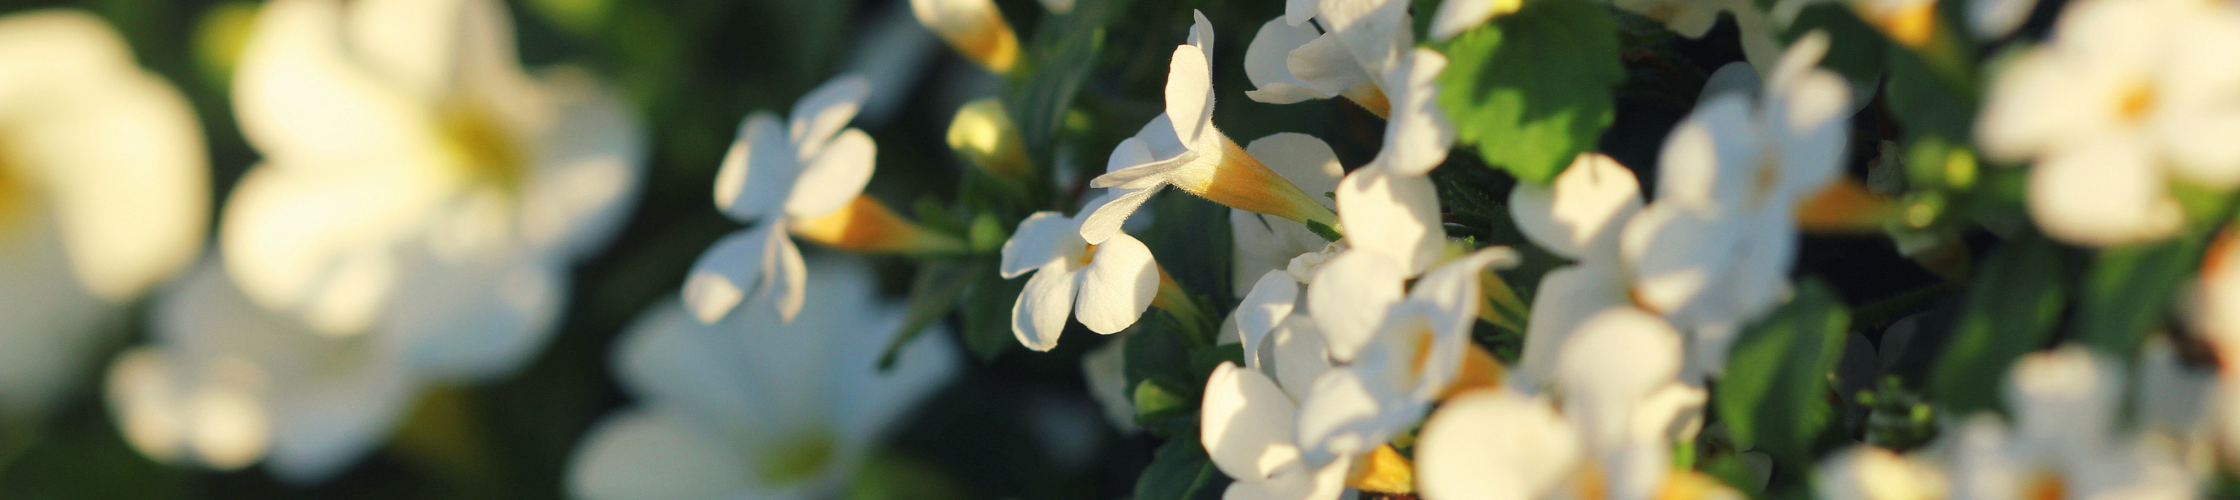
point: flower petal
(823, 112)
(590, 164)
(2102, 192)
(476, 321)
(1581, 213)
(1350, 296)
(1614, 361)
(1301, 355)
(1566, 298)
(1247, 423)
(1418, 136)
(1393, 215)
(1042, 239)
(835, 176)
(648, 454)
(1495, 445)
(1038, 318)
(1710, 156)
(759, 170)
(1189, 93)
(1265, 63)
(1104, 219)
(1302, 159)
(1325, 65)
(301, 97)
(1271, 300)
(755, 263)
(1341, 417)
(1117, 286)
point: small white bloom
(406, 149)
(1714, 249)
(2128, 96)
(228, 383)
(1579, 217)
(1106, 285)
(803, 177)
(1375, 65)
(1401, 353)
(2063, 442)
(104, 192)
(1866, 472)
(1182, 148)
(1249, 415)
(756, 405)
(1623, 409)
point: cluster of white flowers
(421, 199)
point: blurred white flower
(104, 192)
(1107, 285)
(2063, 442)
(1104, 370)
(755, 405)
(1694, 18)
(1865, 472)
(2128, 96)
(976, 29)
(1578, 217)
(1248, 426)
(1181, 148)
(1400, 353)
(405, 149)
(227, 383)
(1264, 243)
(1457, 16)
(1995, 19)
(1623, 409)
(1713, 251)
(1393, 215)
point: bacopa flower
(1579, 217)
(103, 194)
(1623, 409)
(2127, 97)
(1714, 249)
(804, 177)
(1181, 148)
(1400, 352)
(757, 405)
(1107, 285)
(1865, 472)
(1249, 419)
(227, 383)
(1264, 243)
(410, 151)
(1370, 60)
(2063, 441)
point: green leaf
(1532, 89)
(1157, 355)
(1180, 470)
(987, 311)
(2011, 310)
(1773, 394)
(2128, 291)
(933, 293)
(1063, 50)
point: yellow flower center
(16, 196)
(1383, 471)
(2137, 99)
(484, 149)
(798, 459)
(2046, 485)
(1088, 254)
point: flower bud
(983, 133)
(974, 27)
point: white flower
(1393, 215)
(976, 29)
(806, 178)
(755, 405)
(1994, 19)
(228, 383)
(405, 149)
(2128, 96)
(1264, 243)
(1694, 19)
(1107, 285)
(1249, 415)
(1864, 472)
(1579, 217)
(1375, 64)
(1623, 409)
(1401, 353)
(103, 194)
(2063, 443)
(1714, 249)
(1181, 148)
(1457, 16)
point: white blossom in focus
(2128, 97)
(1264, 243)
(104, 193)
(756, 405)
(1248, 419)
(1106, 285)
